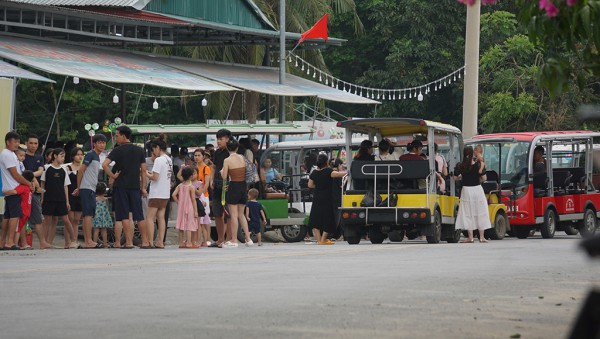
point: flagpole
(282, 59)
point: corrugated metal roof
(137, 4)
(101, 65)
(9, 71)
(261, 79)
(127, 13)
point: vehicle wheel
(569, 228)
(293, 233)
(437, 229)
(521, 232)
(351, 235)
(396, 236)
(548, 228)
(455, 236)
(376, 236)
(499, 227)
(587, 226)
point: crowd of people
(221, 183)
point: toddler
(255, 214)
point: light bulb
(204, 102)
(155, 104)
(116, 99)
(420, 97)
(76, 80)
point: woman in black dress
(322, 218)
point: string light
(204, 102)
(155, 104)
(379, 93)
(76, 80)
(116, 98)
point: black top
(366, 157)
(33, 162)
(220, 155)
(55, 184)
(254, 209)
(539, 167)
(128, 159)
(471, 176)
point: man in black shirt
(129, 186)
(35, 162)
(223, 136)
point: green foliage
(505, 112)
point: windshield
(508, 159)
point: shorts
(75, 203)
(12, 207)
(87, 197)
(22, 222)
(125, 201)
(236, 194)
(35, 217)
(158, 203)
(254, 226)
(54, 208)
(216, 209)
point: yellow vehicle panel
(447, 204)
(404, 200)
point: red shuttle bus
(546, 180)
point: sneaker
(229, 244)
(249, 243)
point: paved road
(531, 287)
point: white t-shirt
(387, 157)
(63, 167)
(8, 159)
(161, 188)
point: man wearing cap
(87, 179)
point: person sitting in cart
(539, 163)
(415, 153)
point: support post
(471, 91)
(282, 60)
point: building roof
(137, 4)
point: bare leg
(127, 228)
(88, 240)
(151, 216)
(188, 237)
(243, 221)
(68, 230)
(324, 237)
(23, 237)
(145, 237)
(105, 237)
(220, 229)
(95, 235)
(181, 240)
(74, 218)
(233, 223)
(259, 238)
(162, 227)
(52, 228)
(482, 236)
(41, 233)
(317, 235)
(118, 233)
(4, 232)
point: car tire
(569, 228)
(589, 223)
(293, 233)
(376, 236)
(437, 229)
(548, 228)
(498, 230)
(396, 236)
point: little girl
(202, 204)
(102, 219)
(55, 199)
(187, 213)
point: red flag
(319, 30)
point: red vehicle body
(552, 192)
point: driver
(539, 163)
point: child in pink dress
(187, 214)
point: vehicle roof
(529, 136)
(395, 126)
(289, 145)
(238, 129)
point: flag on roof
(319, 30)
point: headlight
(521, 191)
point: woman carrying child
(102, 219)
(187, 213)
(55, 199)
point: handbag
(369, 200)
(393, 198)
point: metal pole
(471, 92)
(281, 60)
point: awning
(261, 79)
(203, 129)
(101, 65)
(9, 71)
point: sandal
(483, 240)
(467, 241)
